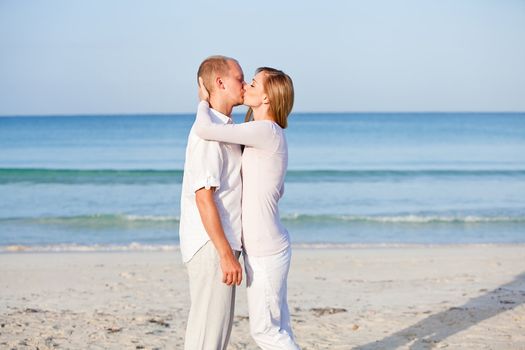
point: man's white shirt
(210, 164)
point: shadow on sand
(426, 333)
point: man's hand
(204, 95)
(231, 270)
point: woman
(266, 243)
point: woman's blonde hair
(279, 88)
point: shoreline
(138, 247)
(419, 297)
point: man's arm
(231, 269)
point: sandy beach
(408, 297)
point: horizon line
(302, 112)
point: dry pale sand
(455, 297)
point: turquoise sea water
(115, 181)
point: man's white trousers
(212, 302)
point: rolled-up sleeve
(206, 166)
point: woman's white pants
(267, 300)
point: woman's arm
(257, 134)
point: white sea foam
(56, 248)
(150, 218)
(408, 219)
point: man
(210, 224)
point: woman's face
(254, 94)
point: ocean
(114, 182)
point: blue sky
(100, 56)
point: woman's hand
(204, 95)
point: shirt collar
(224, 118)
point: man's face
(234, 84)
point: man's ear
(218, 83)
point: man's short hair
(211, 67)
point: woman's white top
(264, 164)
